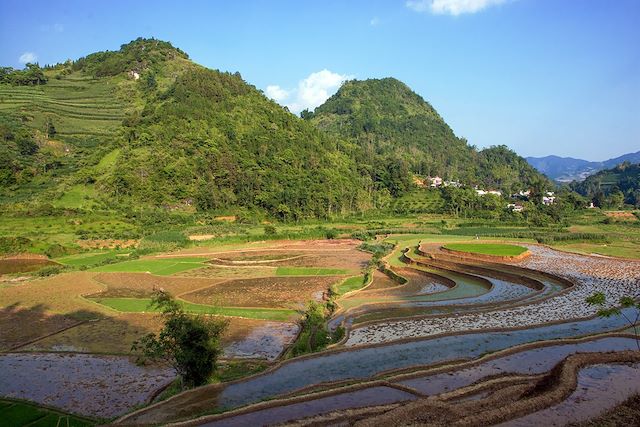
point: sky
(540, 76)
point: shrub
(48, 271)
(270, 230)
(331, 233)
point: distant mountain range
(567, 169)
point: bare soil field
(106, 243)
(264, 292)
(623, 215)
(230, 272)
(112, 335)
(142, 285)
(381, 281)
(244, 338)
(13, 319)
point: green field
(158, 266)
(18, 414)
(309, 271)
(496, 249)
(92, 258)
(142, 305)
(351, 284)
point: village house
(435, 181)
(515, 207)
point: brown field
(263, 292)
(257, 256)
(106, 243)
(59, 294)
(381, 281)
(115, 335)
(13, 319)
(112, 335)
(40, 307)
(622, 215)
(230, 272)
(142, 285)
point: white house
(435, 181)
(515, 207)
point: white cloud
(451, 7)
(276, 93)
(375, 21)
(28, 57)
(58, 28)
(310, 92)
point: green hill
(612, 187)
(145, 127)
(395, 127)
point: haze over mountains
(567, 169)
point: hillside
(612, 186)
(567, 169)
(145, 127)
(392, 125)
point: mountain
(612, 186)
(390, 123)
(567, 169)
(145, 127)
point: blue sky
(540, 76)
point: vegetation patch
(494, 249)
(352, 284)
(158, 266)
(143, 305)
(14, 413)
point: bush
(331, 233)
(48, 271)
(163, 241)
(270, 230)
(14, 245)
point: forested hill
(616, 185)
(146, 127)
(393, 125)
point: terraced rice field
(432, 307)
(78, 106)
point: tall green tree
(189, 343)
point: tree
(189, 343)
(598, 299)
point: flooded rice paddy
(600, 388)
(91, 385)
(367, 362)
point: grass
(90, 258)
(309, 271)
(14, 413)
(351, 284)
(496, 249)
(158, 266)
(142, 305)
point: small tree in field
(599, 300)
(189, 343)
